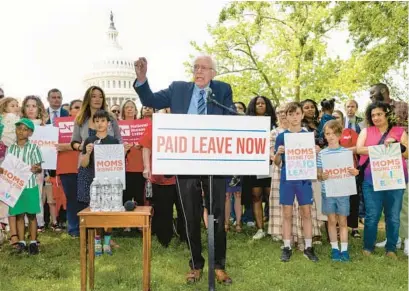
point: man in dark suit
(190, 98)
(55, 110)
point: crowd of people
(294, 212)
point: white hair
(212, 60)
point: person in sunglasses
(115, 109)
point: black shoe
(355, 234)
(33, 249)
(286, 254)
(20, 248)
(309, 254)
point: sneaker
(234, 181)
(20, 248)
(98, 247)
(286, 254)
(406, 247)
(382, 244)
(55, 227)
(33, 249)
(345, 256)
(355, 234)
(259, 234)
(40, 229)
(251, 224)
(107, 250)
(336, 255)
(309, 254)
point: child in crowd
(327, 108)
(9, 115)
(29, 201)
(289, 189)
(338, 206)
(101, 120)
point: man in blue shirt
(190, 98)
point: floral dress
(85, 177)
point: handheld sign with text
(65, 128)
(300, 157)
(386, 167)
(110, 162)
(46, 137)
(340, 182)
(13, 180)
(210, 145)
(133, 130)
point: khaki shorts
(48, 194)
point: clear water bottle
(119, 188)
(95, 195)
(106, 195)
(148, 189)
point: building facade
(113, 71)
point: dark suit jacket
(63, 113)
(179, 95)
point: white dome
(113, 71)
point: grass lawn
(252, 265)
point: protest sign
(65, 128)
(13, 180)
(386, 167)
(300, 157)
(110, 162)
(336, 165)
(133, 130)
(210, 145)
(46, 137)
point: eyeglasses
(76, 107)
(196, 68)
(115, 111)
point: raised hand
(141, 67)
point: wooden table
(89, 221)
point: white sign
(110, 162)
(210, 145)
(13, 180)
(387, 167)
(300, 157)
(46, 137)
(340, 182)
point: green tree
(280, 50)
(379, 31)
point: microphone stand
(211, 220)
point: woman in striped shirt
(29, 201)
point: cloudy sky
(46, 44)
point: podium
(210, 145)
(89, 221)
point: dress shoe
(391, 255)
(193, 276)
(222, 277)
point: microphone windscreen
(129, 205)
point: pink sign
(133, 130)
(66, 128)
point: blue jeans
(391, 203)
(69, 183)
(248, 214)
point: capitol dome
(113, 71)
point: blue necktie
(350, 125)
(201, 105)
